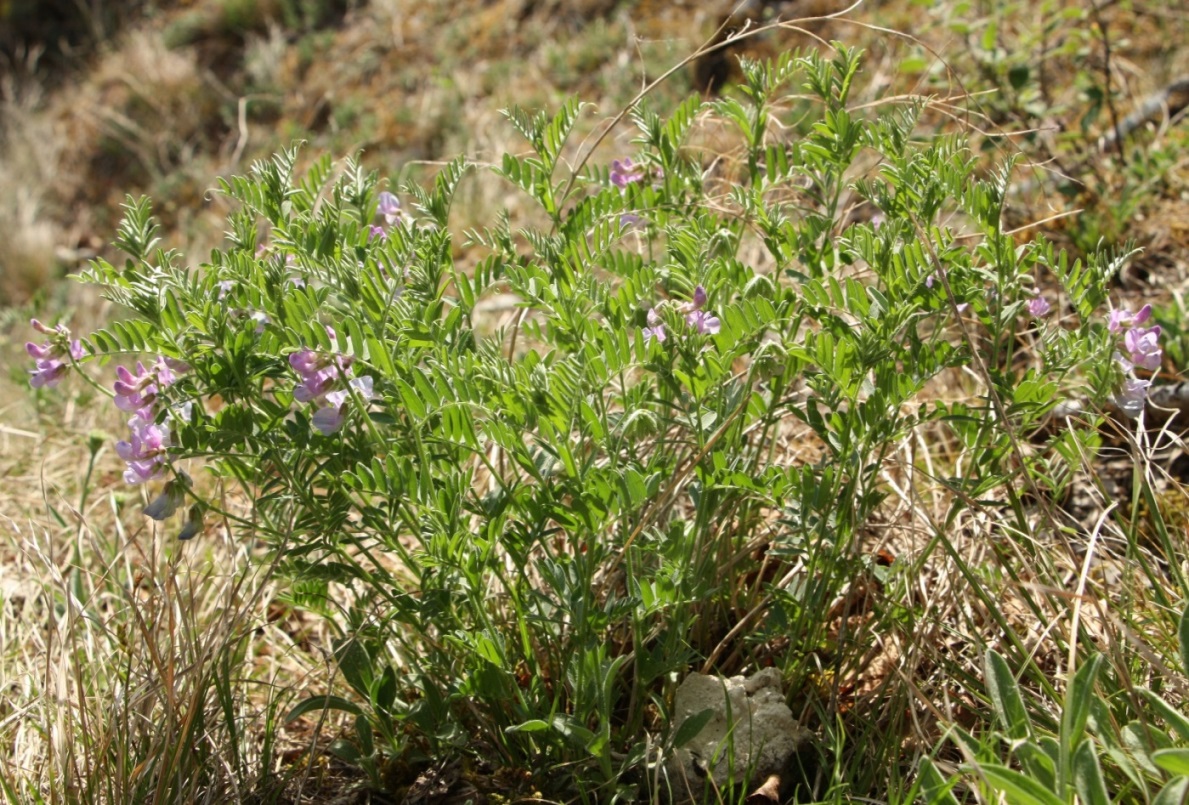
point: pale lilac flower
(702, 321)
(629, 220)
(305, 361)
(1039, 307)
(144, 453)
(1120, 320)
(226, 286)
(655, 328)
(328, 420)
(929, 282)
(1142, 347)
(389, 207)
(50, 358)
(261, 318)
(374, 232)
(625, 173)
(877, 220)
(1132, 396)
(135, 391)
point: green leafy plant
(527, 538)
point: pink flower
(1039, 307)
(328, 420)
(389, 207)
(377, 232)
(655, 328)
(625, 173)
(1120, 320)
(1143, 348)
(702, 321)
(1132, 396)
(135, 391)
(51, 358)
(144, 453)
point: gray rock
(751, 733)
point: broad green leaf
(690, 728)
(1172, 760)
(1087, 776)
(532, 725)
(1183, 634)
(1173, 792)
(1005, 697)
(319, 703)
(1019, 789)
(936, 789)
(1172, 716)
(1077, 710)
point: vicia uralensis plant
(529, 534)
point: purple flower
(1120, 320)
(929, 282)
(701, 320)
(261, 318)
(377, 232)
(51, 358)
(226, 286)
(135, 391)
(1039, 307)
(144, 452)
(655, 328)
(877, 220)
(305, 361)
(1132, 396)
(628, 220)
(328, 420)
(1142, 347)
(625, 173)
(389, 207)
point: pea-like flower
(389, 207)
(323, 378)
(1120, 320)
(328, 420)
(655, 328)
(139, 391)
(1143, 348)
(1039, 307)
(1132, 396)
(625, 173)
(703, 321)
(52, 359)
(144, 453)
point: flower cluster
(1142, 348)
(1039, 307)
(702, 321)
(326, 381)
(625, 173)
(389, 208)
(53, 357)
(144, 452)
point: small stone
(751, 735)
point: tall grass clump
(749, 403)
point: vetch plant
(528, 537)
